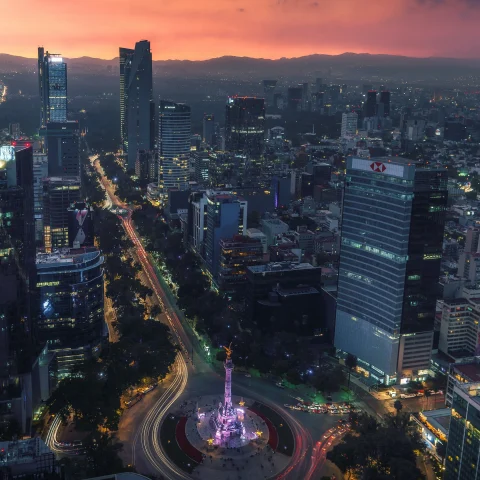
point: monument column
(228, 378)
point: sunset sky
(200, 29)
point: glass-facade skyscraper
(391, 248)
(174, 133)
(137, 111)
(462, 461)
(52, 80)
(245, 125)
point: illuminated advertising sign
(7, 153)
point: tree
(351, 363)
(398, 405)
(155, 310)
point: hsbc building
(391, 247)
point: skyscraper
(58, 194)
(17, 278)
(391, 249)
(462, 459)
(269, 92)
(174, 132)
(52, 81)
(370, 105)
(294, 99)
(63, 148)
(245, 125)
(349, 124)
(208, 129)
(136, 101)
(71, 316)
(384, 103)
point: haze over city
(189, 29)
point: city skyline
(270, 28)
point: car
(279, 385)
(248, 375)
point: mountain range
(347, 66)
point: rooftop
(470, 371)
(66, 256)
(281, 266)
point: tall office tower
(71, 304)
(80, 225)
(305, 95)
(469, 261)
(40, 173)
(462, 459)
(17, 278)
(145, 165)
(125, 56)
(391, 249)
(294, 99)
(349, 124)
(245, 125)
(384, 104)
(58, 194)
(174, 133)
(14, 130)
(52, 81)
(202, 162)
(318, 84)
(197, 221)
(137, 112)
(370, 105)
(226, 217)
(208, 129)
(62, 141)
(269, 92)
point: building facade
(58, 194)
(137, 111)
(62, 141)
(226, 217)
(391, 249)
(349, 124)
(52, 79)
(174, 133)
(236, 254)
(208, 129)
(71, 304)
(462, 460)
(40, 173)
(245, 125)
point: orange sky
(199, 29)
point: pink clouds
(261, 28)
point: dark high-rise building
(173, 143)
(463, 448)
(391, 249)
(285, 293)
(62, 141)
(269, 92)
(384, 103)
(370, 105)
(125, 56)
(71, 304)
(17, 279)
(455, 131)
(52, 81)
(202, 162)
(58, 194)
(245, 125)
(80, 225)
(208, 129)
(137, 112)
(319, 84)
(146, 165)
(294, 99)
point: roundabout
(227, 437)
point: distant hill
(341, 67)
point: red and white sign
(378, 167)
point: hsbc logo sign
(391, 169)
(378, 167)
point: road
(191, 369)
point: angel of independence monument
(227, 421)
